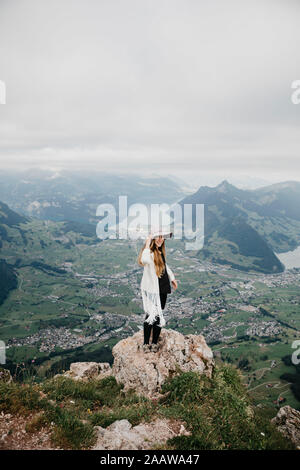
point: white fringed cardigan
(150, 288)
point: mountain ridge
(274, 221)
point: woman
(155, 286)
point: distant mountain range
(75, 196)
(243, 228)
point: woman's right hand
(148, 240)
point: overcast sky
(161, 86)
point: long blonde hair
(158, 261)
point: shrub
(102, 392)
(17, 398)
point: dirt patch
(13, 434)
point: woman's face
(159, 241)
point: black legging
(156, 328)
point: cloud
(146, 85)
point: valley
(248, 319)
(67, 296)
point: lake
(290, 259)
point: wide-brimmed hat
(144, 231)
(160, 230)
(163, 233)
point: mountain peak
(224, 186)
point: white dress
(150, 288)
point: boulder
(287, 421)
(145, 372)
(88, 370)
(5, 375)
(121, 435)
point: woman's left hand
(174, 284)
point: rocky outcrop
(287, 421)
(146, 372)
(121, 435)
(88, 370)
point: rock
(88, 370)
(5, 375)
(287, 421)
(145, 372)
(121, 435)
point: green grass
(218, 413)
